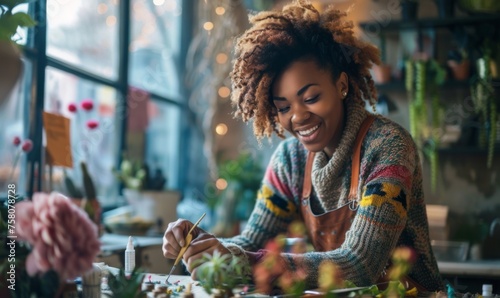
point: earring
(344, 94)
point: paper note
(57, 131)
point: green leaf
(23, 19)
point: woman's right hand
(175, 235)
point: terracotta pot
(459, 70)
(382, 73)
(10, 59)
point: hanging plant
(423, 78)
(485, 105)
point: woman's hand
(202, 242)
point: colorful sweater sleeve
(275, 206)
(386, 189)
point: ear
(342, 84)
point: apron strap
(356, 161)
(356, 156)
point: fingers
(173, 240)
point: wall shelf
(399, 85)
(431, 23)
(469, 150)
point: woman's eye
(312, 99)
(283, 109)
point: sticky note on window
(57, 132)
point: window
(83, 60)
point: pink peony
(87, 104)
(72, 107)
(16, 141)
(92, 124)
(62, 236)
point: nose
(300, 114)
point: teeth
(309, 131)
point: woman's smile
(310, 104)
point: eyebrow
(300, 92)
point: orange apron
(327, 231)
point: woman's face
(310, 105)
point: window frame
(36, 51)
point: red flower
(27, 145)
(92, 124)
(87, 104)
(72, 107)
(16, 141)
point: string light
(220, 10)
(102, 8)
(221, 184)
(224, 91)
(208, 26)
(221, 129)
(221, 58)
(111, 21)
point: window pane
(14, 121)
(162, 141)
(155, 44)
(98, 147)
(85, 34)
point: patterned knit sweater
(391, 203)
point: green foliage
(485, 103)
(221, 272)
(243, 176)
(423, 79)
(10, 22)
(88, 190)
(132, 174)
(123, 286)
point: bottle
(129, 257)
(487, 291)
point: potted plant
(459, 64)
(485, 104)
(145, 192)
(234, 203)
(10, 55)
(221, 273)
(85, 197)
(423, 77)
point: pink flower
(62, 236)
(72, 107)
(16, 141)
(92, 124)
(87, 104)
(27, 145)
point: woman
(344, 169)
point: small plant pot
(382, 73)
(460, 70)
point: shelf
(374, 26)
(467, 150)
(397, 85)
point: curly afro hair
(276, 39)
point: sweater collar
(326, 173)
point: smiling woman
(353, 178)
